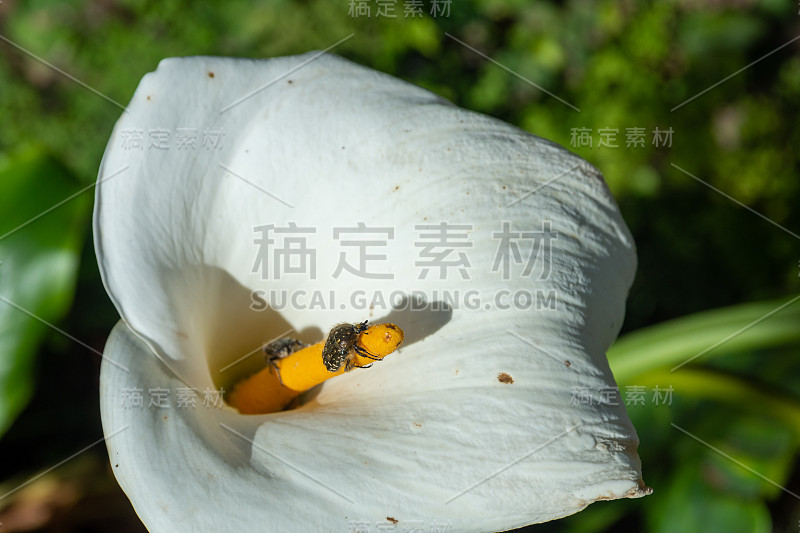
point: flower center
(274, 387)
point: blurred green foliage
(674, 66)
(39, 251)
(733, 395)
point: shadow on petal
(418, 318)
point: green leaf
(761, 445)
(745, 393)
(690, 503)
(39, 251)
(695, 338)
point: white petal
(341, 144)
(328, 145)
(363, 459)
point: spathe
(431, 433)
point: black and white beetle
(280, 348)
(341, 347)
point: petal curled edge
(327, 144)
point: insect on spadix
(280, 348)
(341, 347)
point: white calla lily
(473, 424)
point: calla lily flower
(498, 410)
